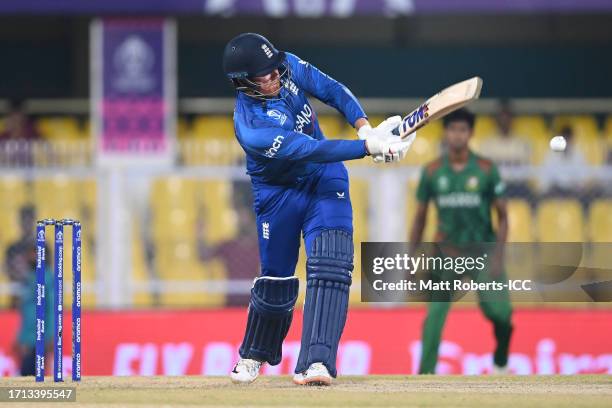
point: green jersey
(463, 198)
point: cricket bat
(444, 102)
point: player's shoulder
(294, 59)
(251, 114)
(433, 166)
(484, 164)
(296, 64)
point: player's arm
(418, 224)
(501, 209)
(328, 90)
(497, 189)
(278, 143)
(420, 217)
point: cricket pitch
(351, 391)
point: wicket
(58, 287)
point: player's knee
(331, 257)
(274, 296)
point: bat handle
(396, 131)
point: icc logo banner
(133, 88)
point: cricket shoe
(245, 371)
(316, 374)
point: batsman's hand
(383, 130)
(388, 149)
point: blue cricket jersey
(282, 139)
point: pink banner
(133, 87)
(375, 342)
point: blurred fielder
(299, 186)
(465, 187)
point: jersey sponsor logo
(472, 183)
(303, 63)
(459, 200)
(278, 115)
(267, 50)
(265, 230)
(303, 118)
(409, 122)
(340, 194)
(271, 152)
(443, 183)
(499, 188)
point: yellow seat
(54, 127)
(85, 129)
(485, 125)
(608, 128)
(560, 220)
(57, 197)
(173, 205)
(177, 263)
(215, 200)
(584, 126)
(348, 132)
(433, 131)
(422, 151)
(4, 298)
(214, 126)
(13, 195)
(196, 151)
(182, 128)
(586, 135)
(600, 233)
(530, 126)
(520, 221)
(331, 126)
(518, 259)
(600, 221)
(88, 205)
(359, 192)
(594, 150)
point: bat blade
(444, 102)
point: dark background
(518, 55)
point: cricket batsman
(465, 187)
(300, 185)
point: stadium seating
(183, 129)
(331, 126)
(426, 146)
(174, 206)
(213, 126)
(600, 221)
(59, 127)
(485, 126)
(600, 234)
(520, 226)
(530, 126)
(560, 220)
(586, 133)
(608, 129)
(177, 205)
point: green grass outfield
(363, 391)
